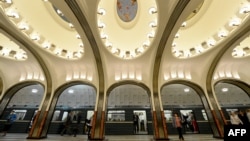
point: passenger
(243, 117)
(194, 123)
(85, 127)
(185, 122)
(78, 118)
(234, 118)
(67, 125)
(248, 115)
(32, 122)
(136, 123)
(190, 121)
(10, 120)
(177, 123)
(89, 126)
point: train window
(168, 115)
(56, 115)
(65, 115)
(90, 113)
(116, 115)
(142, 120)
(186, 113)
(204, 114)
(229, 111)
(20, 114)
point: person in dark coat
(136, 123)
(67, 125)
(10, 120)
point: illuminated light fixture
(240, 52)
(146, 44)
(101, 11)
(152, 24)
(222, 34)
(132, 53)
(114, 50)
(101, 25)
(216, 77)
(78, 36)
(7, 1)
(178, 53)
(78, 54)
(59, 12)
(122, 54)
(71, 91)
(12, 14)
(71, 25)
(224, 89)
(35, 37)
(187, 53)
(151, 35)
(58, 51)
(235, 22)
(69, 55)
(177, 35)
(174, 49)
(229, 74)
(199, 49)
(186, 90)
(5, 51)
(23, 26)
(34, 90)
(90, 78)
(245, 9)
(81, 45)
(81, 50)
(139, 78)
(211, 42)
(140, 49)
(19, 55)
(104, 36)
(152, 10)
(108, 44)
(46, 44)
(174, 44)
(184, 24)
(234, 53)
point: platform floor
(55, 137)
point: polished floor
(55, 137)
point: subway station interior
(110, 59)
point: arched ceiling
(217, 24)
(43, 33)
(134, 42)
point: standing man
(10, 120)
(136, 123)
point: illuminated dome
(127, 27)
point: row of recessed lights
(39, 39)
(228, 28)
